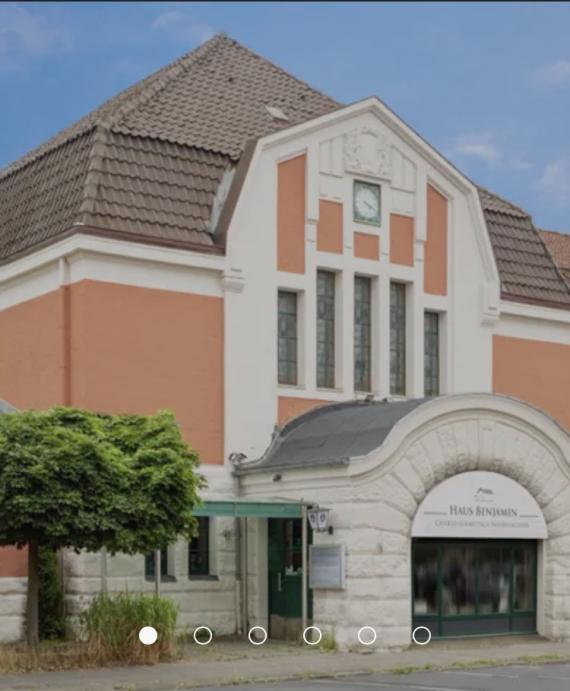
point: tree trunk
(32, 604)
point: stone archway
(440, 439)
(374, 498)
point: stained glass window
(398, 339)
(362, 333)
(325, 329)
(431, 354)
(287, 337)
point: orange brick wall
(535, 371)
(291, 215)
(140, 350)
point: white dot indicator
(252, 640)
(148, 635)
(421, 628)
(209, 633)
(370, 637)
(319, 635)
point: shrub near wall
(111, 626)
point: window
(325, 329)
(199, 549)
(362, 332)
(287, 337)
(149, 565)
(431, 354)
(398, 339)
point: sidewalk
(231, 662)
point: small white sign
(327, 566)
(479, 504)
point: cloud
(554, 183)
(25, 34)
(477, 145)
(555, 74)
(180, 27)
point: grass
(109, 635)
(111, 625)
(328, 643)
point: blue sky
(486, 84)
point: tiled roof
(148, 162)
(559, 246)
(525, 266)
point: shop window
(425, 579)
(398, 339)
(524, 578)
(458, 594)
(494, 580)
(362, 333)
(199, 550)
(485, 586)
(287, 337)
(431, 354)
(325, 329)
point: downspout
(238, 548)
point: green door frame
(440, 619)
(295, 581)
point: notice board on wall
(327, 566)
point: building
(559, 246)
(338, 317)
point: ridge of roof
(99, 117)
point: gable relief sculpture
(367, 151)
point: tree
(75, 479)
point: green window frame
(199, 549)
(362, 333)
(398, 339)
(510, 608)
(287, 341)
(326, 329)
(431, 354)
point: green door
(285, 576)
(474, 587)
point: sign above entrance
(479, 505)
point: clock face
(366, 202)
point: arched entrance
(376, 467)
(474, 557)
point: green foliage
(111, 625)
(51, 616)
(76, 479)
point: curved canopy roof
(332, 434)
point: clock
(366, 202)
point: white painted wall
(251, 318)
(12, 608)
